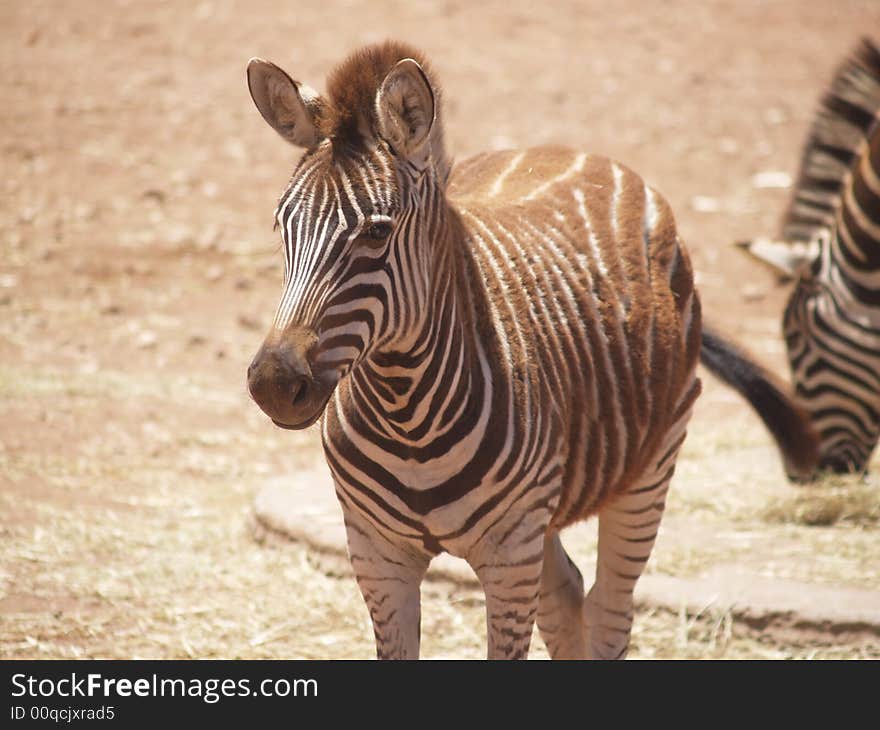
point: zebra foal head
(351, 221)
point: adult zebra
(498, 353)
(831, 323)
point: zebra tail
(789, 424)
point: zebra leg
(509, 570)
(561, 605)
(627, 530)
(389, 576)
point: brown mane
(352, 87)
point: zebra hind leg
(627, 530)
(561, 605)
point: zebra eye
(378, 231)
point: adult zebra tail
(789, 424)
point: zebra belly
(591, 481)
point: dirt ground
(139, 271)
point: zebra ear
(786, 259)
(290, 108)
(405, 108)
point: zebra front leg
(561, 606)
(389, 576)
(510, 573)
(627, 530)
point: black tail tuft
(789, 424)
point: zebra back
(846, 113)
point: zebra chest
(431, 487)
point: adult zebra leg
(561, 605)
(627, 530)
(389, 576)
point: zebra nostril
(300, 389)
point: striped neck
(855, 241)
(434, 372)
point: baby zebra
(498, 351)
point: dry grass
(834, 500)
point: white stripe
(576, 166)
(593, 242)
(499, 181)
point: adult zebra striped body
(499, 351)
(846, 115)
(831, 322)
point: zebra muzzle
(281, 381)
